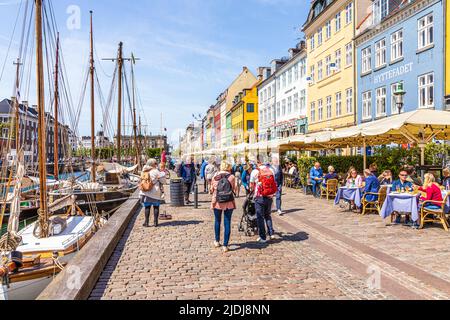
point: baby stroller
(248, 223)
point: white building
(283, 96)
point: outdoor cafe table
(447, 205)
(400, 202)
(349, 194)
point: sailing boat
(111, 184)
(30, 258)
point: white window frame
(328, 106)
(328, 65)
(380, 53)
(381, 105)
(425, 31)
(295, 72)
(283, 108)
(394, 109)
(338, 21)
(302, 101)
(338, 104)
(349, 13)
(278, 109)
(397, 45)
(366, 59)
(289, 105)
(313, 112)
(289, 72)
(366, 105)
(338, 59)
(319, 70)
(312, 42)
(296, 102)
(319, 36)
(348, 54)
(328, 30)
(313, 73)
(320, 110)
(426, 91)
(349, 100)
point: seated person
(372, 185)
(412, 176)
(433, 192)
(446, 179)
(354, 179)
(330, 175)
(316, 175)
(401, 184)
(385, 178)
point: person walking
(210, 172)
(187, 173)
(264, 187)
(203, 175)
(279, 181)
(150, 190)
(223, 188)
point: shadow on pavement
(179, 223)
(253, 244)
(290, 211)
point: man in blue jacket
(202, 174)
(316, 175)
(372, 185)
(245, 177)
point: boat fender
(57, 225)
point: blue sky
(190, 50)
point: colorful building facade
(329, 32)
(403, 45)
(447, 53)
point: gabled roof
(316, 9)
(6, 107)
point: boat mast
(136, 146)
(43, 207)
(119, 119)
(92, 71)
(55, 131)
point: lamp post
(399, 95)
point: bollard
(196, 196)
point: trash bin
(176, 193)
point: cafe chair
(374, 205)
(330, 190)
(434, 215)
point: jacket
(202, 169)
(315, 173)
(278, 176)
(187, 172)
(372, 186)
(157, 179)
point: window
(303, 102)
(349, 54)
(273, 90)
(319, 70)
(425, 31)
(328, 29)
(338, 104)
(296, 102)
(426, 90)
(349, 13)
(250, 107)
(367, 104)
(328, 65)
(349, 100)
(250, 125)
(394, 109)
(366, 59)
(269, 114)
(381, 101)
(337, 59)
(328, 107)
(397, 45)
(380, 10)
(283, 108)
(380, 53)
(312, 42)
(313, 112)
(302, 68)
(312, 74)
(278, 109)
(283, 77)
(320, 110)
(270, 92)
(290, 76)
(338, 22)
(278, 83)
(296, 72)
(319, 37)
(289, 106)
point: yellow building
(244, 115)
(329, 31)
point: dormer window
(380, 10)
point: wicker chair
(375, 205)
(434, 215)
(330, 189)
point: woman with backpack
(150, 190)
(223, 187)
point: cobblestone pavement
(321, 252)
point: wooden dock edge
(79, 277)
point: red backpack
(268, 186)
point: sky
(189, 50)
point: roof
(317, 8)
(6, 107)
